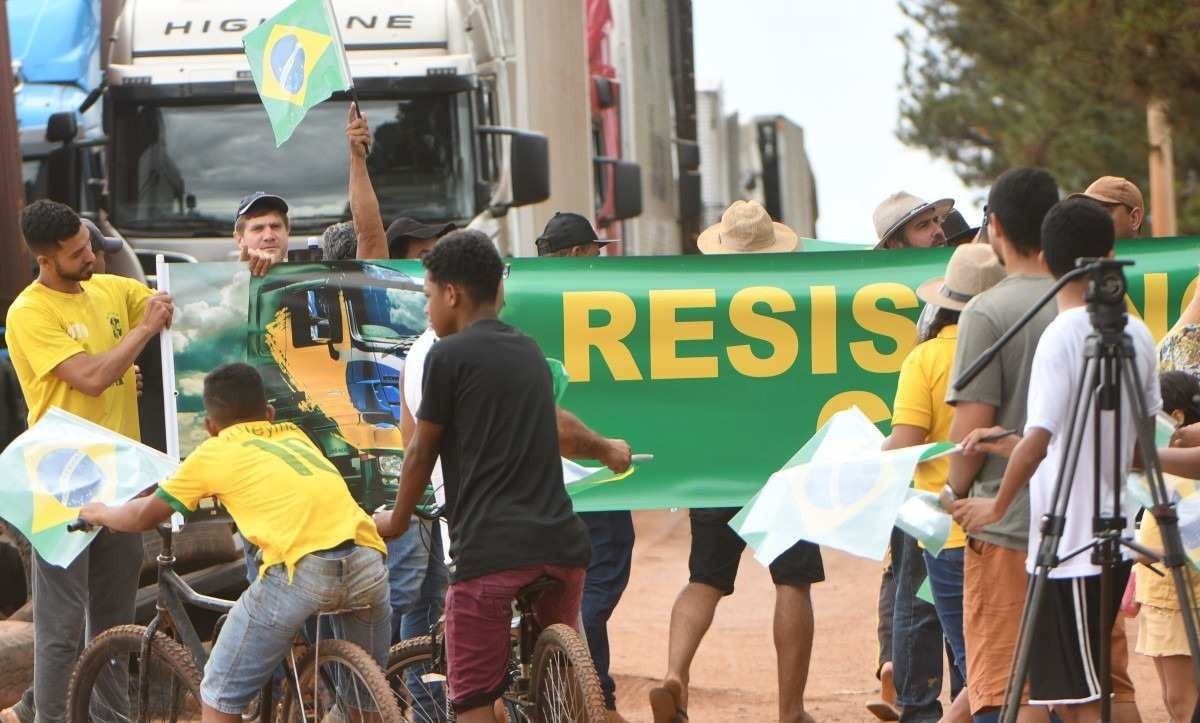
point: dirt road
(733, 678)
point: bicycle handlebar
(78, 526)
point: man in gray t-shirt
(1002, 385)
(994, 578)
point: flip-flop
(664, 703)
(883, 710)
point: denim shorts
(267, 617)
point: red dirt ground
(733, 677)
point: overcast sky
(834, 68)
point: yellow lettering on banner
(871, 405)
(1188, 293)
(887, 324)
(779, 334)
(666, 331)
(823, 302)
(579, 336)
(1131, 307)
(1154, 300)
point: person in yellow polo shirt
(320, 552)
(73, 335)
(920, 415)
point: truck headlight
(391, 464)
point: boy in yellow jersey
(320, 552)
(73, 335)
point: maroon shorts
(478, 619)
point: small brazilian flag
(63, 462)
(298, 60)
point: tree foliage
(1060, 84)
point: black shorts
(717, 549)
(1064, 662)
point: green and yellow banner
(721, 367)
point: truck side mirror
(529, 165)
(62, 127)
(626, 191)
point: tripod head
(1105, 294)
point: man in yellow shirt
(320, 552)
(73, 336)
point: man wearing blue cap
(260, 229)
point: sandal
(664, 703)
(883, 710)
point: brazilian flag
(63, 462)
(297, 60)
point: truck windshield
(182, 169)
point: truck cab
(188, 135)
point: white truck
(188, 135)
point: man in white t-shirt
(1064, 666)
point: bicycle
(112, 680)
(551, 676)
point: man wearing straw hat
(716, 549)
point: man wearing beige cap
(1123, 201)
(904, 221)
(745, 227)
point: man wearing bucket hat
(1123, 201)
(745, 227)
(904, 221)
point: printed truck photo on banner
(720, 367)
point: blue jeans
(272, 611)
(946, 581)
(417, 580)
(916, 636)
(611, 535)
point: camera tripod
(1108, 366)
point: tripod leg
(1051, 530)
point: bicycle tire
(564, 684)
(95, 670)
(403, 657)
(354, 660)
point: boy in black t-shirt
(487, 408)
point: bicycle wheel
(105, 684)
(344, 685)
(418, 683)
(564, 682)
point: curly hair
(468, 259)
(45, 224)
(339, 242)
(234, 393)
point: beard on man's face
(82, 274)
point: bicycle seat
(529, 594)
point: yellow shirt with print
(921, 402)
(285, 497)
(45, 327)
